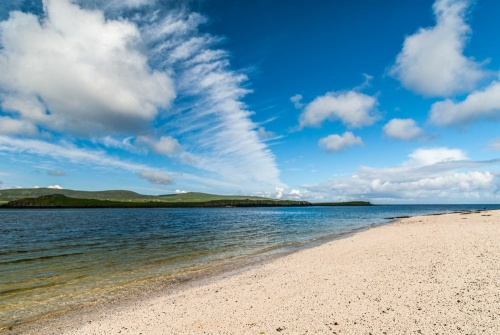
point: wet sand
(422, 275)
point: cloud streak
(211, 122)
(98, 159)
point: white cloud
(10, 126)
(432, 61)
(354, 109)
(296, 99)
(483, 104)
(340, 142)
(430, 156)
(57, 187)
(295, 194)
(279, 192)
(29, 107)
(180, 192)
(89, 73)
(156, 177)
(444, 185)
(430, 175)
(283, 194)
(402, 129)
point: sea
(56, 260)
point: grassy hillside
(202, 197)
(116, 195)
(133, 199)
(62, 201)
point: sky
(385, 101)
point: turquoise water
(51, 260)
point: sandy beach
(422, 275)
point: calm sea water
(51, 260)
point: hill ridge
(118, 195)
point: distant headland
(62, 198)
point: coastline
(420, 273)
(130, 294)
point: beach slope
(422, 275)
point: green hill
(202, 197)
(116, 195)
(40, 197)
(62, 201)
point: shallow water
(51, 260)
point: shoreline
(130, 294)
(67, 323)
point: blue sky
(386, 101)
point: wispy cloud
(66, 152)
(267, 135)
(98, 159)
(297, 101)
(111, 142)
(211, 122)
(432, 61)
